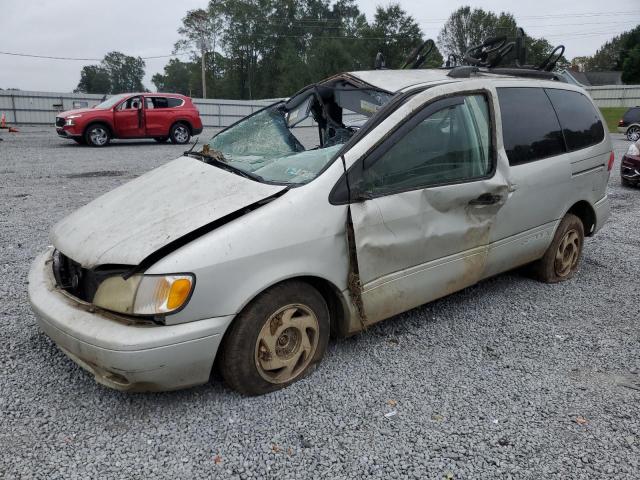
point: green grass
(612, 115)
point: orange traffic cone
(3, 121)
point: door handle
(486, 199)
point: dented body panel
(136, 219)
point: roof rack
(491, 53)
(466, 72)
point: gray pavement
(510, 378)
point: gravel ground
(507, 379)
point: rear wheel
(633, 133)
(562, 258)
(276, 340)
(97, 135)
(180, 134)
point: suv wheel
(562, 258)
(633, 133)
(277, 339)
(180, 134)
(97, 135)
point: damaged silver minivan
(359, 198)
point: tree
(117, 73)
(199, 32)
(466, 28)
(395, 34)
(94, 79)
(126, 73)
(631, 66)
(176, 77)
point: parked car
(252, 252)
(630, 166)
(629, 124)
(132, 115)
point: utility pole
(203, 56)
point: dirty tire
(562, 258)
(97, 135)
(161, 139)
(246, 361)
(180, 134)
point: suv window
(580, 122)
(530, 128)
(155, 102)
(174, 102)
(451, 145)
(632, 115)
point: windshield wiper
(216, 158)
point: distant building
(592, 79)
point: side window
(157, 102)
(530, 128)
(632, 115)
(174, 102)
(148, 103)
(580, 122)
(134, 103)
(450, 145)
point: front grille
(71, 277)
(60, 122)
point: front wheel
(562, 258)
(97, 135)
(633, 133)
(276, 340)
(180, 134)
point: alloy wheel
(567, 254)
(98, 136)
(287, 343)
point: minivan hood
(128, 224)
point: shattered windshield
(293, 145)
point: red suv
(132, 115)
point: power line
(48, 57)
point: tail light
(612, 158)
(621, 123)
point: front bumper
(65, 132)
(630, 168)
(119, 352)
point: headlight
(70, 118)
(633, 150)
(145, 294)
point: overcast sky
(90, 29)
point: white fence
(616, 95)
(40, 108)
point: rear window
(632, 115)
(530, 128)
(174, 102)
(580, 122)
(156, 102)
